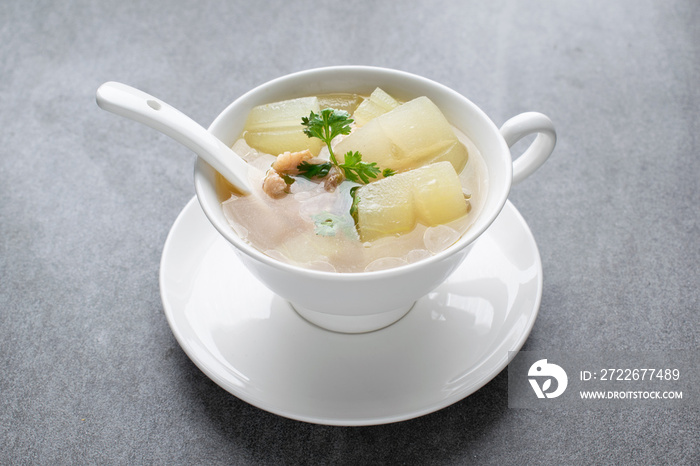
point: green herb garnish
(355, 169)
(287, 179)
(325, 126)
(355, 202)
(328, 224)
(314, 170)
(325, 226)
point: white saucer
(255, 346)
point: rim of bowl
(205, 175)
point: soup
(425, 189)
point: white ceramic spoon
(137, 105)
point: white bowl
(362, 302)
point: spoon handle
(137, 105)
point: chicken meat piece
(287, 162)
(274, 185)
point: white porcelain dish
(254, 345)
(385, 295)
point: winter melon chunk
(385, 207)
(378, 103)
(431, 195)
(275, 128)
(437, 194)
(409, 136)
(340, 101)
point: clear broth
(284, 229)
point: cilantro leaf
(287, 179)
(355, 169)
(314, 170)
(327, 125)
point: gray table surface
(90, 372)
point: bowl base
(352, 324)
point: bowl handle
(541, 148)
